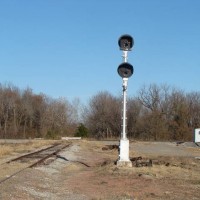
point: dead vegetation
(11, 148)
(5, 150)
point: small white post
(197, 135)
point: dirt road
(175, 174)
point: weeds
(8, 149)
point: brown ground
(175, 174)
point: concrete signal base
(124, 160)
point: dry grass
(5, 150)
(8, 149)
(168, 172)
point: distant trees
(167, 113)
(103, 117)
(155, 113)
(153, 117)
(24, 114)
(9, 105)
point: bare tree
(134, 111)
(104, 115)
(154, 99)
(179, 116)
(193, 101)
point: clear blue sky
(68, 48)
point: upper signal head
(125, 42)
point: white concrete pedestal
(124, 160)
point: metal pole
(125, 56)
(124, 142)
(125, 81)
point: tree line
(24, 114)
(157, 112)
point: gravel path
(188, 149)
(44, 182)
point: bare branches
(104, 115)
(24, 114)
(157, 112)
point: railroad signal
(125, 70)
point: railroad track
(31, 160)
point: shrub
(51, 134)
(82, 131)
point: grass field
(7, 148)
